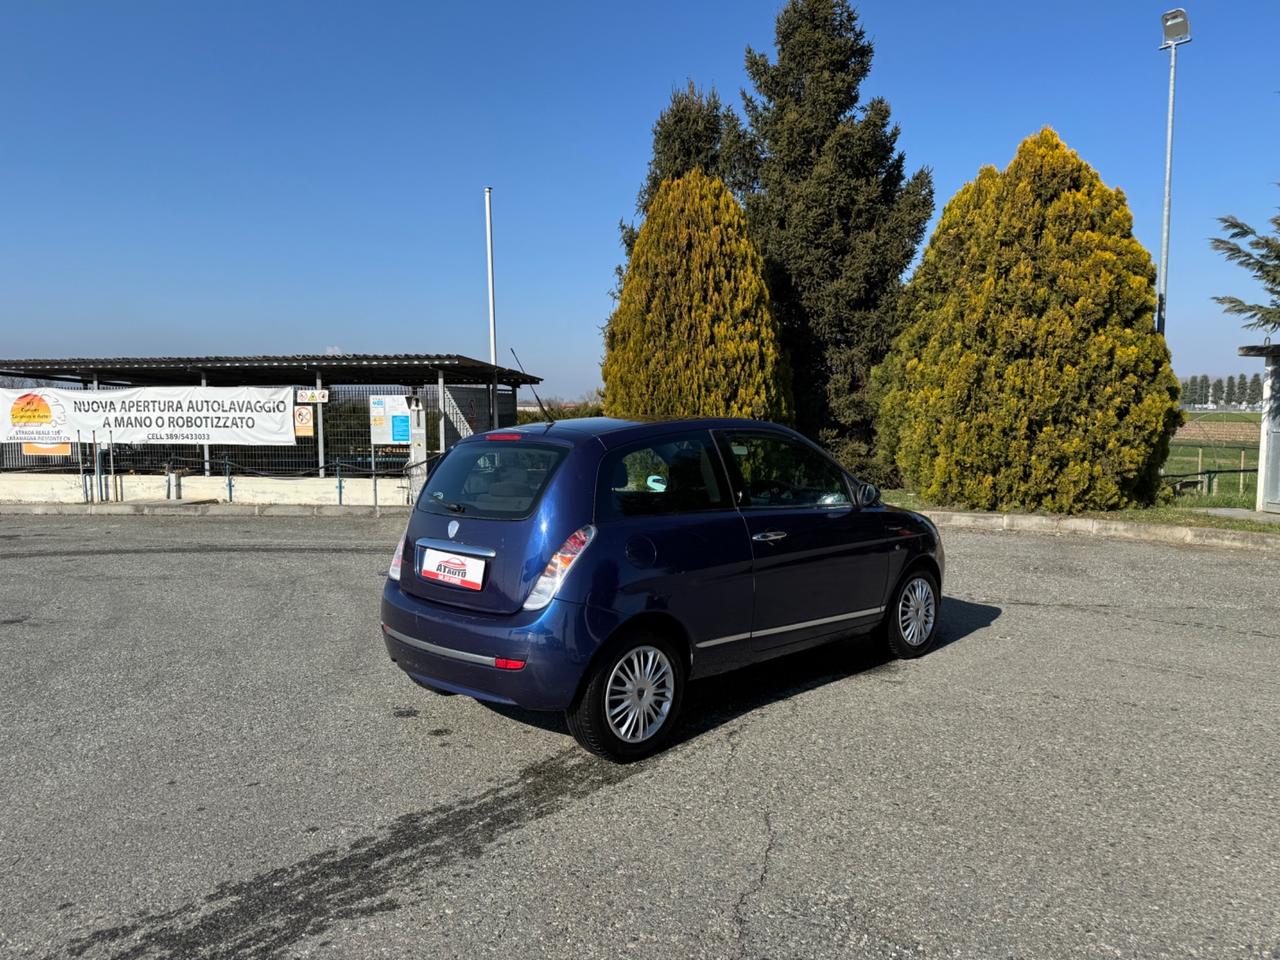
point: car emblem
(453, 527)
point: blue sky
(262, 177)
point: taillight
(545, 589)
(393, 571)
(503, 436)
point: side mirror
(868, 495)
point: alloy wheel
(916, 611)
(639, 694)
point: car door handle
(769, 535)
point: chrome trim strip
(869, 612)
(857, 614)
(719, 640)
(439, 650)
(452, 546)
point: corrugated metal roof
(260, 369)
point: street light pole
(1177, 30)
(493, 327)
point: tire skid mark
(264, 915)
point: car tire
(641, 680)
(912, 617)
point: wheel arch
(921, 561)
(659, 621)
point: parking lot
(205, 753)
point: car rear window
(496, 480)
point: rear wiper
(448, 504)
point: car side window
(675, 474)
(779, 472)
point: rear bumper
(455, 649)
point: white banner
(252, 416)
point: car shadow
(714, 701)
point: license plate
(453, 569)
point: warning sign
(304, 422)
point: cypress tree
(1219, 392)
(1204, 392)
(834, 213)
(693, 333)
(1230, 394)
(694, 132)
(1255, 388)
(1027, 374)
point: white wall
(67, 488)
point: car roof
(612, 431)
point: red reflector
(503, 664)
(503, 436)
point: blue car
(596, 566)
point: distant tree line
(1243, 390)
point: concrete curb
(177, 509)
(1018, 522)
(1113, 529)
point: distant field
(1232, 427)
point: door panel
(672, 542)
(812, 582)
(819, 562)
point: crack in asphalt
(758, 884)
(740, 906)
(260, 917)
(1122, 612)
(1182, 672)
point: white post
(319, 429)
(1270, 434)
(493, 327)
(204, 382)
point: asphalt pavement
(205, 753)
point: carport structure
(1269, 442)
(465, 393)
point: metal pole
(204, 382)
(111, 448)
(319, 429)
(493, 327)
(1163, 286)
(97, 455)
(440, 402)
(84, 486)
